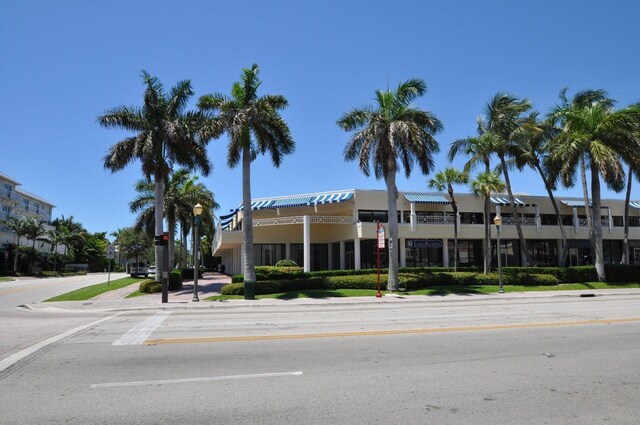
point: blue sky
(64, 63)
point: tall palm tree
(484, 185)
(34, 231)
(60, 236)
(254, 126)
(532, 150)
(479, 150)
(633, 169)
(604, 138)
(503, 116)
(165, 135)
(390, 135)
(17, 225)
(445, 179)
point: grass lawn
(5, 279)
(434, 291)
(89, 292)
(136, 294)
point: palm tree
(34, 231)
(603, 138)
(503, 116)
(445, 179)
(479, 150)
(633, 169)
(165, 135)
(393, 131)
(254, 126)
(484, 185)
(60, 236)
(17, 225)
(532, 150)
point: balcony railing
(10, 194)
(279, 221)
(524, 221)
(435, 219)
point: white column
(497, 212)
(287, 251)
(356, 254)
(330, 254)
(445, 252)
(413, 217)
(342, 255)
(403, 252)
(610, 219)
(307, 243)
(538, 220)
(576, 222)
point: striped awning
(634, 205)
(291, 202)
(259, 205)
(224, 217)
(579, 204)
(505, 202)
(427, 199)
(330, 198)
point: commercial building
(337, 230)
(14, 201)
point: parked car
(152, 270)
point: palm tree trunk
(563, 233)
(247, 227)
(158, 188)
(455, 229)
(625, 240)
(487, 227)
(392, 213)
(185, 236)
(587, 207)
(172, 249)
(516, 215)
(597, 223)
(15, 255)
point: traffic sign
(111, 252)
(381, 238)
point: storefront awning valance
(291, 202)
(577, 204)
(420, 198)
(505, 202)
(330, 198)
(634, 205)
(224, 217)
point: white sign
(381, 237)
(111, 252)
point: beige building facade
(338, 230)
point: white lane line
(14, 358)
(193, 380)
(139, 333)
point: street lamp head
(197, 210)
(497, 220)
(117, 248)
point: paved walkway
(212, 283)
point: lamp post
(498, 222)
(197, 211)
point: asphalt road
(530, 361)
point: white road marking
(139, 333)
(14, 358)
(193, 380)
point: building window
(319, 255)
(471, 218)
(469, 253)
(25, 204)
(423, 257)
(268, 254)
(335, 255)
(544, 252)
(371, 216)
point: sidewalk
(212, 283)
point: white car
(152, 270)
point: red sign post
(380, 245)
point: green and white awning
(634, 204)
(291, 202)
(330, 198)
(502, 201)
(420, 198)
(579, 204)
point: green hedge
(410, 281)
(175, 279)
(51, 273)
(150, 287)
(286, 263)
(187, 274)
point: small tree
(485, 184)
(445, 179)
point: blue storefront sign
(424, 243)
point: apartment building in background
(337, 230)
(18, 202)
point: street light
(498, 222)
(197, 211)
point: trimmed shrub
(150, 286)
(187, 274)
(175, 279)
(622, 272)
(286, 263)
